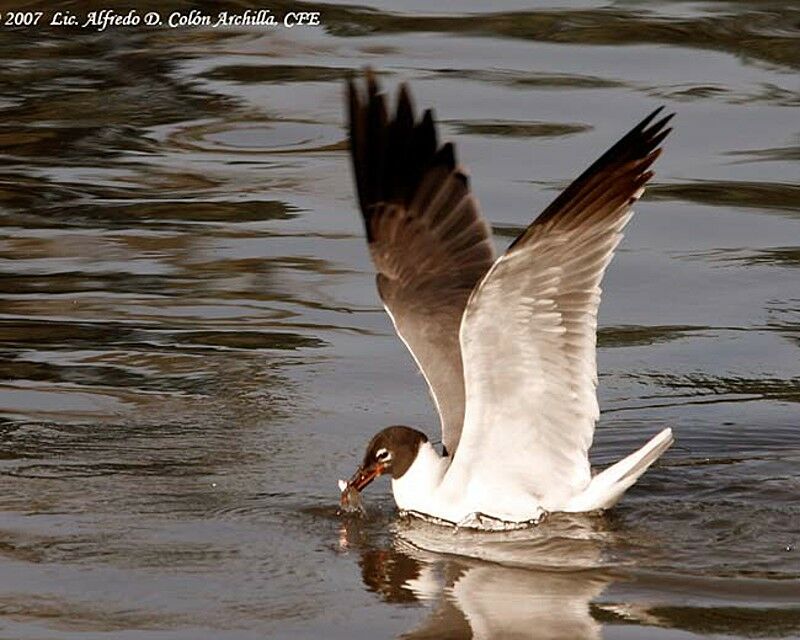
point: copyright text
(108, 19)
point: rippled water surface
(192, 350)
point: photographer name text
(109, 19)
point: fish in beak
(350, 500)
(364, 475)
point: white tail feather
(607, 487)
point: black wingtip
(628, 160)
(446, 155)
(405, 106)
(391, 146)
(663, 122)
(660, 137)
(649, 118)
(351, 97)
(373, 86)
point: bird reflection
(536, 583)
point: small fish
(350, 500)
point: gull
(507, 345)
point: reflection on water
(518, 129)
(491, 586)
(550, 583)
(192, 351)
(751, 195)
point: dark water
(192, 350)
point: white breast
(421, 489)
(416, 489)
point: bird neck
(414, 489)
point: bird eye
(383, 455)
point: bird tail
(607, 487)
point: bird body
(422, 489)
(428, 489)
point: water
(193, 350)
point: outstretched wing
(529, 331)
(427, 238)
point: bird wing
(528, 334)
(427, 238)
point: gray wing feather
(529, 332)
(427, 238)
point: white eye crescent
(383, 455)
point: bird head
(391, 451)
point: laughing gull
(506, 345)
